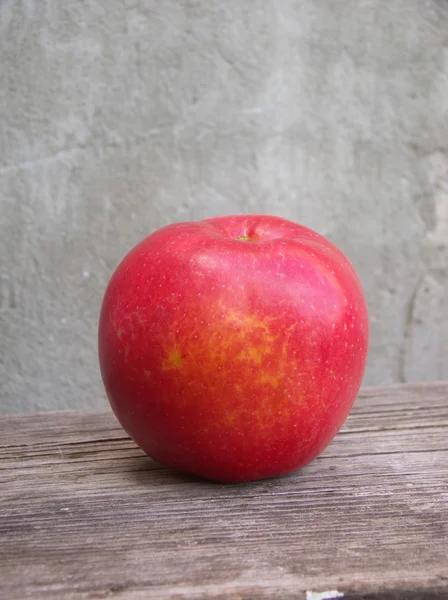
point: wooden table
(85, 514)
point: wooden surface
(85, 514)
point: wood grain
(85, 514)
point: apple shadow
(147, 472)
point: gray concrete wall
(120, 116)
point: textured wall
(119, 116)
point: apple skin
(233, 348)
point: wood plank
(85, 514)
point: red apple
(233, 348)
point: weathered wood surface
(85, 514)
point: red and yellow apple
(233, 348)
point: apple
(233, 348)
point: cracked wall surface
(120, 116)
